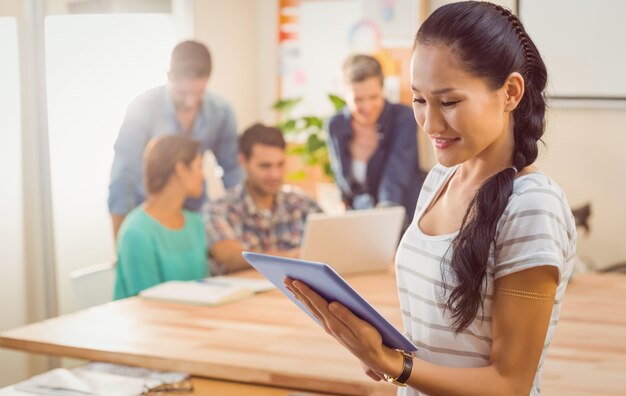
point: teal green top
(149, 253)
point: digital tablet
(327, 283)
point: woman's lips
(443, 143)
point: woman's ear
(514, 90)
(180, 169)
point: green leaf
(328, 170)
(337, 101)
(313, 121)
(285, 105)
(314, 143)
(287, 126)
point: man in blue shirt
(183, 106)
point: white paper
(256, 285)
(196, 292)
(100, 379)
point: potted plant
(306, 136)
(307, 145)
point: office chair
(581, 216)
(93, 285)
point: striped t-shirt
(537, 228)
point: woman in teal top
(160, 241)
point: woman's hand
(356, 335)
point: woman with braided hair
(483, 267)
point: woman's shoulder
(535, 193)
(535, 185)
(134, 220)
(136, 228)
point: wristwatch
(407, 366)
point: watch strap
(407, 367)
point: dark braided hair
(489, 42)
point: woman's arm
(520, 325)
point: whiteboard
(583, 44)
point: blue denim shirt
(393, 173)
(153, 114)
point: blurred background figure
(182, 106)
(373, 143)
(160, 240)
(263, 214)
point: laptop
(355, 241)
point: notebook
(330, 285)
(208, 291)
(355, 241)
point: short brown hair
(161, 156)
(260, 134)
(190, 59)
(358, 68)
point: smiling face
(187, 93)
(265, 169)
(464, 117)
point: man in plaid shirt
(262, 214)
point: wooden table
(268, 340)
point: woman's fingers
(307, 303)
(349, 319)
(319, 307)
(356, 335)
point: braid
(519, 32)
(525, 151)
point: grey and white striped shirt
(537, 228)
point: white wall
(510, 4)
(241, 35)
(585, 155)
(13, 308)
(94, 71)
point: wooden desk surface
(207, 386)
(268, 340)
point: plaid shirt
(236, 216)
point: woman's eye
(420, 101)
(450, 103)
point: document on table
(208, 291)
(101, 379)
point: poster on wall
(316, 36)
